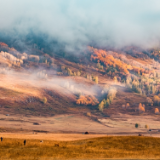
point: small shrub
(127, 105)
(136, 125)
(146, 126)
(35, 123)
(44, 100)
(88, 114)
(95, 79)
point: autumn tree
(106, 102)
(153, 89)
(87, 100)
(149, 101)
(111, 94)
(95, 79)
(141, 107)
(69, 71)
(44, 100)
(115, 79)
(108, 60)
(156, 99)
(99, 66)
(135, 87)
(127, 105)
(128, 81)
(101, 106)
(156, 111)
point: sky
(78, 23)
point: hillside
(96, 83)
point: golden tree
(127, 105)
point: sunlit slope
(96, 83)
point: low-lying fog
(15, 80)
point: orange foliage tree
(156, 111)
(141, 107)
(108, 60)
(87, 100)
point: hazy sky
(80, 22)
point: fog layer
(76, 24)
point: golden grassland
(122, 147)
(49, 136)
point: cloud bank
(76, 24)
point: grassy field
(111, 147)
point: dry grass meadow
(110, 147)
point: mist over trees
(64, 31)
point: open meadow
(108, 147)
